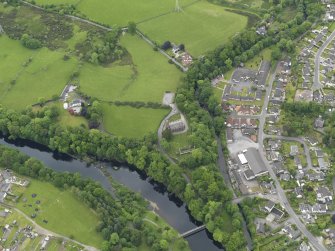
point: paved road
(281, 194)
(316, 81)
(173, 111)
(301, 141)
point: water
(170, 208)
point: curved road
(316, 81)
(281, 194)
(300, 140)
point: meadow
(132, 122)
(200, 25)
(146, 79)
(66, 215)
(31, 75)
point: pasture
(149, 76)
(201, 26)
(66, 215)
(132, 122)
(31, 75)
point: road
(301, 141)
(316, 81)
(280, 192)
(173, 111)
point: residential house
(286, 176)
(278, 167)
(299, 192)
(176, 126)
(293, 234)
(294, 150)
(323, 195)
(319, 122)
(297, 162)
(315, 176)
(269, 206)
(323, 165)
(319, 208)
(305, 208)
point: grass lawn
(116, 12)
(201, 27)
(147, 80)
(45, 76)
(66, 119)
(132, 122)
(65, 214)
(255, 62)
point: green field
(65, 214)
(132, 122)
(145, 80)
(201, 26)
(40, 78)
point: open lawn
(201, 26)
(146, 80)
(65, 214)
(25, 82)
(132, 122)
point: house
(269, 206)
(297, 162)
(285, 176)
(319, 153)
(323, 195)
(299, 175)
(176, 126)
(272, 119)
(305, 208)
(299, 192)
(274, 144)
(258, 95)
(319, 122)
(315, 176)
(261, 30)
(294, 150)
(278, 167)
(323, 165)
(319, 208)
(293, 234)
(304, 247)
(278, 214)
(260, 227)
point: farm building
(176, 126)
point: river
(171, 208)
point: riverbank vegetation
(121, 223)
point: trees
(132, 28)
(30, 42)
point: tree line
(121, 219)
